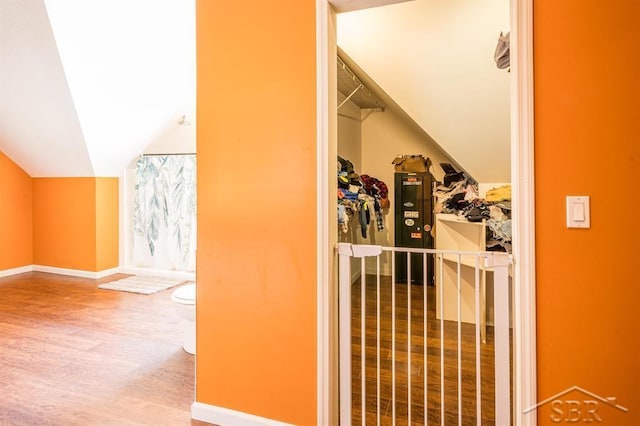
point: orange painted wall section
(587, 142)
(107, 223)
(256, 265)
(16, 243)
(64, 223)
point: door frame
(523, 202)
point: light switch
(578, 215)
(578, 212)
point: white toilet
(184, 300)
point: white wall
(434, 58)
(349, 133)
(174, 139)
(379, 138)
(384, 136)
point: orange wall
(256, 267)
(64, 227)
(587, 142)
(75, 223)
(16, 247)
(107, 226)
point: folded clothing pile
(458, 195)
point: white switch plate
(578, 212)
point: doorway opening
(521, 160)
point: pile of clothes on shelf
(458, 194)
(360, 196)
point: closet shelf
(448, 217)
(354, 89)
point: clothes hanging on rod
(361, 197)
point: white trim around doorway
(522, 170)
(522, 176)
(324, 250)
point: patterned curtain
(165, 212)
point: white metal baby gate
(413, 396)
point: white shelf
(448, 217)
(457, 234)
(453, 233)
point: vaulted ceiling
(85, 86)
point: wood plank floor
(73, 354)
(419, 371)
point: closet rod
(349, 97)
(356, 80)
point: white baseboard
(100, 274)
(226, 417)
(107, 272)
(164, 273)
(16, 271)
(75, 272)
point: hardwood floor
(73, 354)
(418, 369)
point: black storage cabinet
(413, 223)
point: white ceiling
(434, 58)
(39, 127)
(86, 85)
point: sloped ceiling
(39, 127)
(85, 86)
(435, 60)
